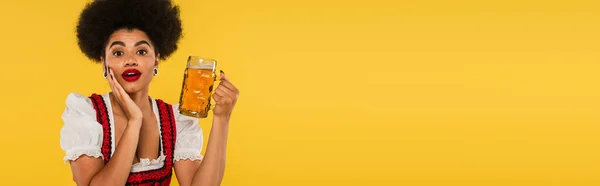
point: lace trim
(187, 156)
(75, 153)
(147, 164)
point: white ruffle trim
(75, 153)
(147, 164)
(187, 156)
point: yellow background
(344, 92)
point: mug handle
(211, 102)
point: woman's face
(131, 56)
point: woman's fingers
(228, 85)
(217, 98)
(221, 91)
(110, 80)
(123, 99)
(114, 84)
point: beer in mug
(196, 91)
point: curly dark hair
(159, 19)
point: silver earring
(155, 71)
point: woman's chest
(149, 137)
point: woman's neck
(140, 98)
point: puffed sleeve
(188, 144)
(81, 134)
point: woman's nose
(130, 61)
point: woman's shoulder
(183, 119)
(79, 98)
(183, 122)
(78, 101)
(175, 109)
(74, 97)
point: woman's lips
(131, 75)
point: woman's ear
(156, 60)
(104, 67)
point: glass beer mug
(196, 91)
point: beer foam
(202, 66)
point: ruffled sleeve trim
(76, 152)
(187, 155)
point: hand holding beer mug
(196, 91)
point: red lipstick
(131, 75)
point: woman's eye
(142, 52)
(117, 53)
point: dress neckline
(144, 164)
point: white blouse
(82, 133)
